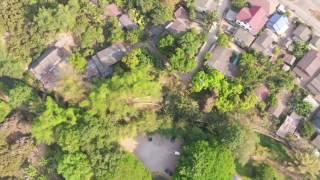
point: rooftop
(112, 10)
(255, 16)
(302, 33)
(268, 5)
(127, 23)
(289, 126)
(264, 42)
(278, 23)
(243, 37)
(310, 63)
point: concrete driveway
(305, 10)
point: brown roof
(310, 63)
(302, 32)
(178, 26)
(46, 69)
(221, 61)
(316, 142)
(264, 42)
(289, 126)
(289, 59)
(268, 5)
(181, 13)
(243, 37)
(112, 10)
(127, 23)
(101, 63)
(315, 41)
(314, 85)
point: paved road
(302, 9)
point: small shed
(289, 59)
(302, 33)
(278, 24)
(178, 27)
(289, 126)
(231, 16)
(127, 23)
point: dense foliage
(203, 161)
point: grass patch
(277, 150)
(4, 111)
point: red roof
(255, 16)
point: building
(315, 42)
(290, 125)
(243, 38)
(101, 63)
(47, 68)
(205, 5)
(314, 87)
(308, 67)
(112, 10)
(289, 59)
(302, 33)
(127, 23)
(231, 16)
(252, 19)
(181, 24)
(269, 6)
(222, 61)
(265, 42)
(278, 24)
(316, 142)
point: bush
(307, 130)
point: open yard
(157, 155)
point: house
(252, 19)
(316, 142)
(243, 38)
(314, 87)
(288, 59)
(290, 125)
(269, 6)
(278, 24)
(265, 42)
(221, 61)
(231, 16)
(301, 33)
(101, 63)
(205, 5)
(127, 23)
(181, 23)
(112, 10)
(315, 42)
(262, 92)
(282, 106)
(48, 67)
(308, 66)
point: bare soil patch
(156, 154)
(315, 13)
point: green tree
(134, 36)
(181, 62)
(162, 14)
(115, 33)
(302, 108)
(223, 40)
(266, 172)
(91, 37)
(75, 166)
(307, 130)
(128, 167)
(166, 43)
(135, 58)
(307, 164)
(238, 4)
(78, 62)
(202, 161)
(300, 48)
(44, 126)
